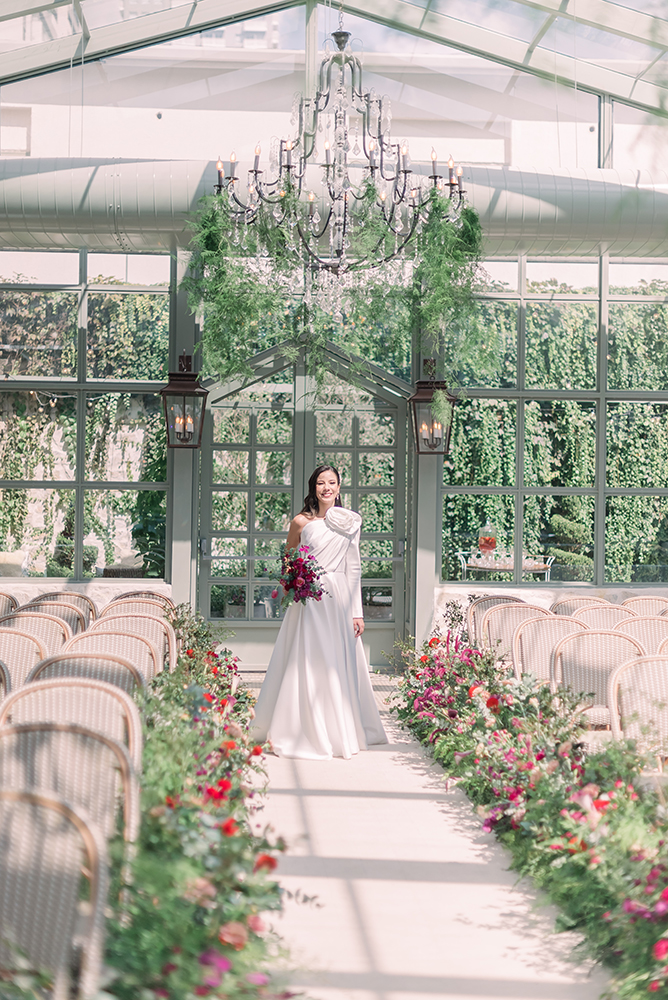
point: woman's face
(327, 488)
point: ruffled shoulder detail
(346, 522)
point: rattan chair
(500, 621)
(650, 631)
(45, 845)
(646, 605)
(96, 666)
(7, 603)
(584, 662)
(534, 640)
(103, 707)
(80, 601)
(567, 605)
(19, 651)
(51, 631)
(477, 609)
(639, 690)
(135, 595)
(156, 630)
(5, 681)
(69, 613)
(603, 616)
(135, 648)
(138, 606)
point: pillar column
(429, 471)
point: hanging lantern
(431, 436)
(184, 400)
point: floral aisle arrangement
(578, 822)
(189, 922)
(300, 578)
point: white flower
(346, 522)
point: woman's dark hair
(311, 505)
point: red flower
(171, 802)
(474, 689)
(424, 659)
(229, 827)
(433, 642)
(654, 986)
(229, 745)
(217, 794)
(256, 751)
(660, 949)
(493, 704)
(576, 844)
(265, 862)
(214, 671)
(202, 991)
(207, 697)
(190, 653)
(224, 783)
(168, 967)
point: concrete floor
(412, 899)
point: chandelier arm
(314, 256)
(325, 226)
(388, 177)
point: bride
(316, 701)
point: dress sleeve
(354, 573)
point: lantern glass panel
(429, 431)
(184, 420)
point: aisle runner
(415, 901)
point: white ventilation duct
(143, 206)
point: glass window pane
(45, 268)
(272, 511)
(274, 427)
(493, 326)
(128, 269)
(334, 428)
(640, 136)
(377, 604)
(38, 334)
(637, 444)
(125, 438)
(377, 510)
(559, 443)
(376, 469)
(562, 528)
(376, 429)
(227, 601)
(500, 275)
(229, 511)
(341, 460)
(463, 517)
(37, 435)
(124, 533)
(636, 539)
(561, 340)
(36, 532)
(376, 556)
(231, 426)
(273, 467)
(230, 467)
(264, 605)
(638, 346)
(228, 556)
(560, 277)
(646, 278)
(482, 444)
(128, 335)
(268, 554)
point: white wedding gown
(316, 701)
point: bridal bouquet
(300, 578)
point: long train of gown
(317, 701)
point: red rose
(256, 751)
(224, 783)
(660, 949)
(208, 697)
(229, 827)
(433, 642)
(493, 704)
(424, 659)
(265, 862)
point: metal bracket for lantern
(184, 400)
(431, 437)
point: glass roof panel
(657, 8)
(504, 16)
(32, 29)
(99, 13)
(581, 41)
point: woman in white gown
(316, 701)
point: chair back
(99, 706)
(500, 621)
(152, 595)
(477, 609)
(646, 605)
(7, 603)
(603, 616)
(5, 681)
(639, 691)
(534, 640)
(135, 648)
(96, 666)
(19, 651)
(51, 631)
(45, 845)
(567, 605)
(137, 606)
(157, 630)
(61, 609)
(584, 662)
(80, 601)
(650, 631)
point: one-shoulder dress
(317, 701)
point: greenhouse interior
(424, 242)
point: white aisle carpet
(414, 901)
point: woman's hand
(358, 626)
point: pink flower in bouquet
(660, 949)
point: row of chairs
(70, 753)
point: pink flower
(660, 949)
(257, 978)
(274, 594)
(661, 908)
(255, 923)
(654, 986)
(299, 582)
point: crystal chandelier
(371, 203)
